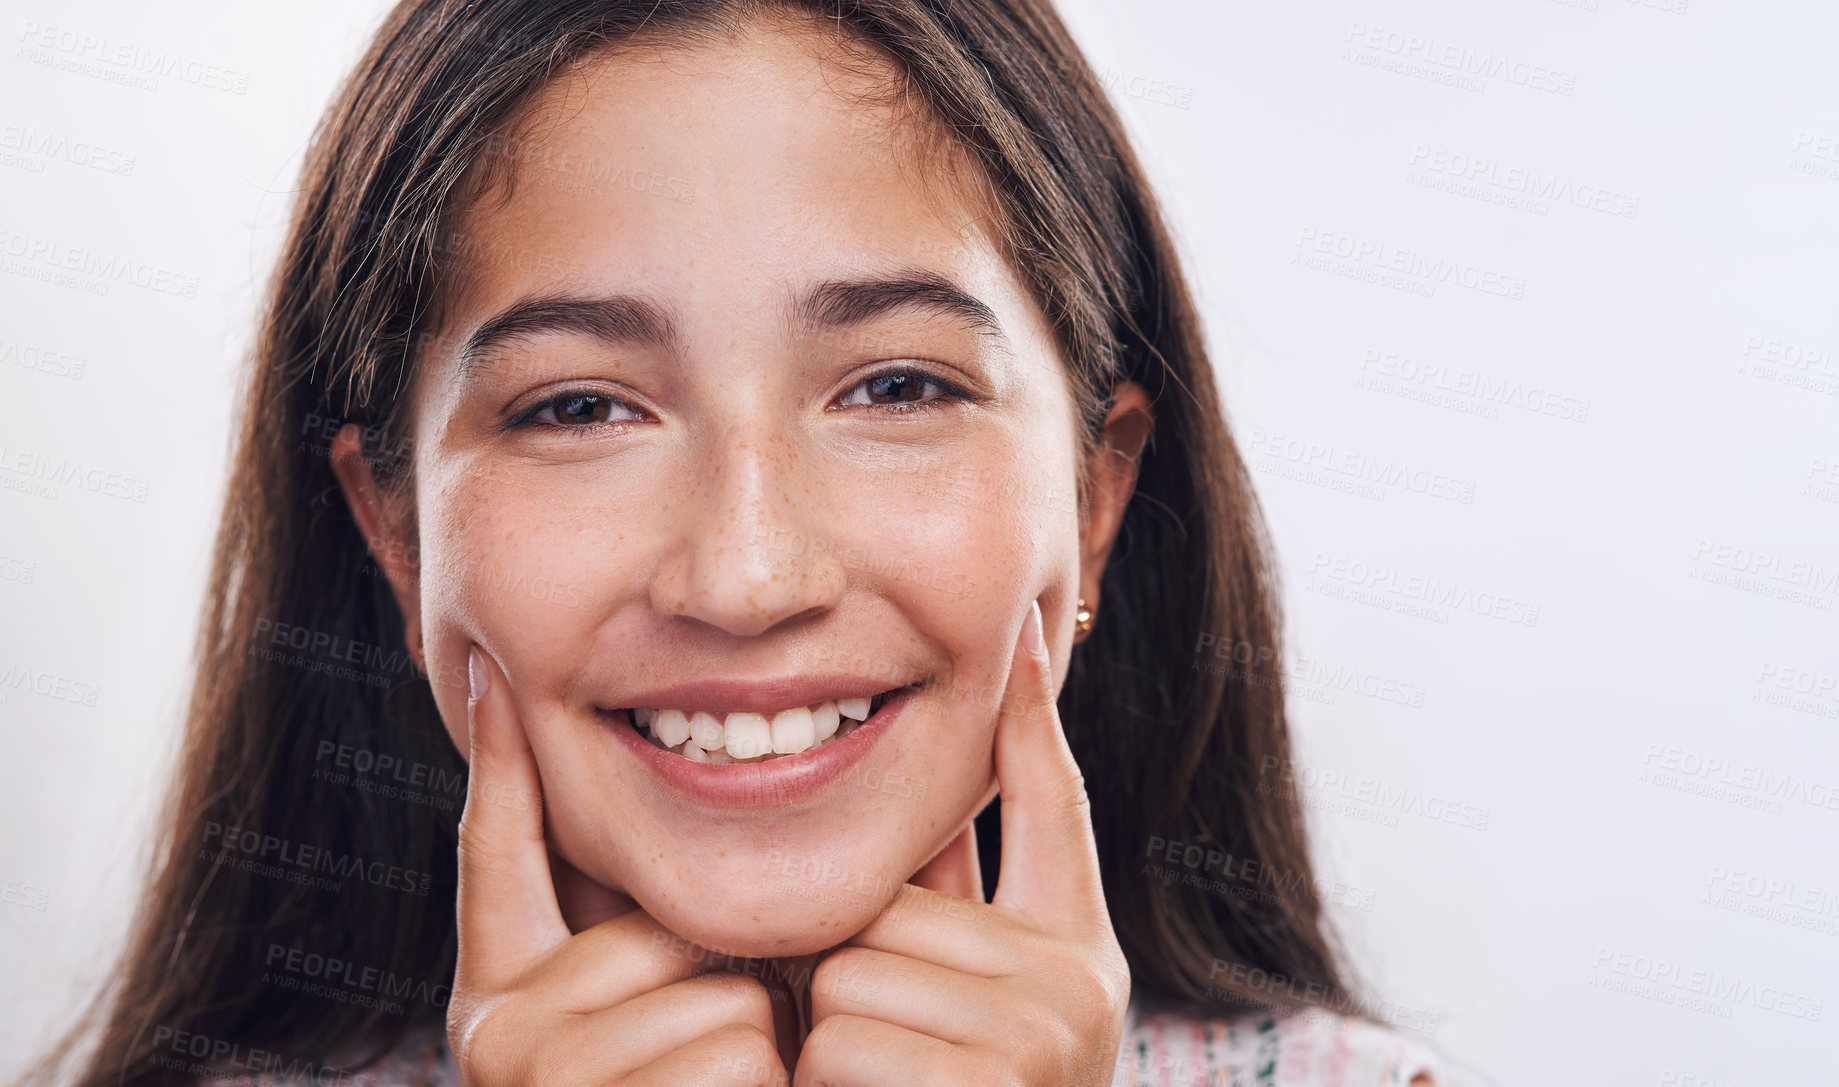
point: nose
(753, 551)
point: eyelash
(950, 394)
(528, 417)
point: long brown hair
(301, 671)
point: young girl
(701, 453)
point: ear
(1112, 478)
(394, 551)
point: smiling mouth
(719, 738)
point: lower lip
(775, 783)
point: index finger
(508, 913)
(1049, 867)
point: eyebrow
(844, 303)
(630, 319)
(616, 319)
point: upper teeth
(705, 737)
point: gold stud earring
(1082, 619)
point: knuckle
(475, 843)
(1045, 1038)
(549, 1065)
(1092, 994)
(488, 851)
(846, 979)
(484, 1039)
(1114, 975)
(913, 908)
(748, 995)
(744, 1053)
(985, 1069)
(841, 962)
(831, 1032)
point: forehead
(776, 154)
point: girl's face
(738, 410)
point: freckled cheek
(962, 550)
(501, 568)
(975, 563)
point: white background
(1641, 447)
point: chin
(773, 903)
(768, 923)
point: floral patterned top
(1295, 1049)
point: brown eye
(579, 410)
(583, 409)
(896, 388)
(903, 390)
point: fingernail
(476, 676)
(1031, 630)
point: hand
(1029, 989)
(617, 1003)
